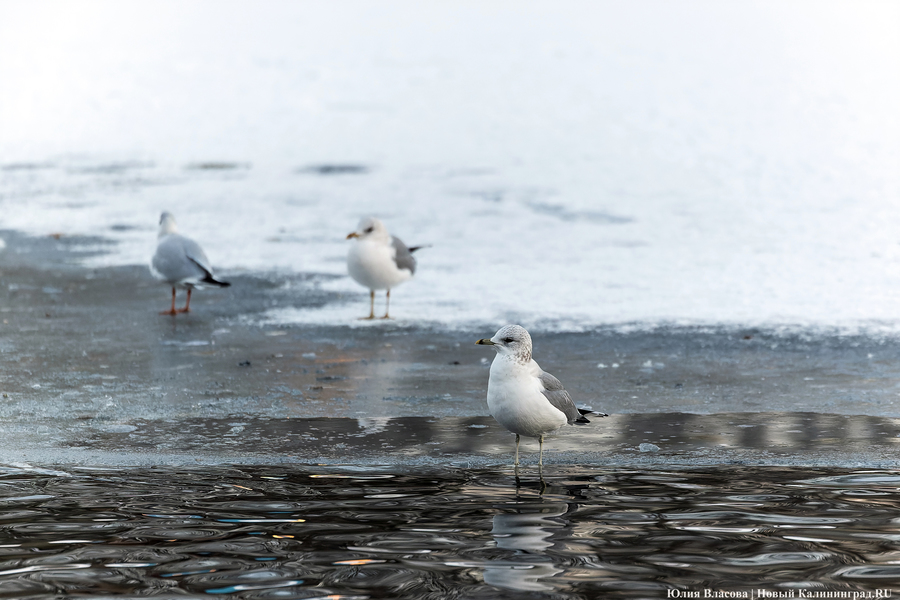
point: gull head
(167, 224)
(512, 341)
(370, 228)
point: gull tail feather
(208, 278)
(586, 411)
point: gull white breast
(379, 261)
(521, 396)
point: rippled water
(350, 533)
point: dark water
(349, 533)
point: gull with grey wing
(180, 262)
(521, 396)
(379, 261)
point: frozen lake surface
(93, 375)
(572, 165)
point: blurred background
(573, 164)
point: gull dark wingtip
(595, 413)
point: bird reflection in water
(527, 528)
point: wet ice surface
(123, 378)
(123, 385)
(648, 440)
(351, 532)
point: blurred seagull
(522, 397)
(379, 261)
(180, 262)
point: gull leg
(541, 459)
(516, 464)
(371, 307)
(172, 310)
(387, 305)
(187, 305)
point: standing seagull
(522, 397)
(379, 261)
(180, 262)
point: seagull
(379, 261)
(521, 396)
(180, 262)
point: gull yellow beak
(484, 342)
(352, 235)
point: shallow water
(347, 532)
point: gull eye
(370, 230)
(507, 340)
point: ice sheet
(571, 165)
